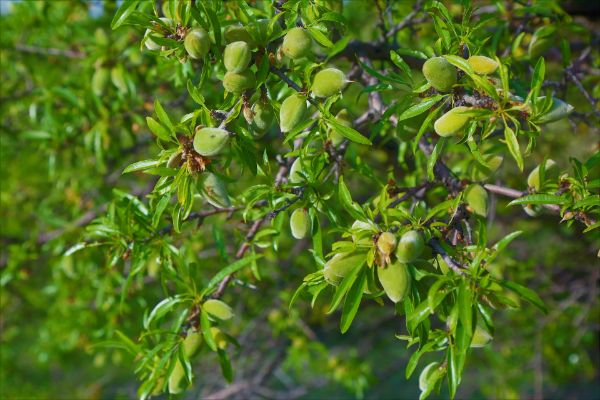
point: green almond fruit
(210, 141)
(214, 191)
(220, 338)
(483, 65)
(176, 379)
(197, 43)
(452, 121)
(550, 172)
(99, 81)
(395, 280)
(297, 43)
(386, 243)
(410, 246)
(262, 117)
(295, 169)
(236, 56)
(558, 111)
(481, 337)
(362, 226)
(440, 74)
(341, 265)
(426, 375)
(299, 223)
(328, 82)
(151, 44)
(175, 160)
(238, 82)
(476, 198)
(292, 112)
(192, 342)
(343, 117)
(218, 309)
(238, 33)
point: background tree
(188, 184)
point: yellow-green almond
(483, 65)
(99, 80)
(328, 82)
(210, 141)
(557, 111)
(192, 342)
(236, 56)
(362, 226)
(215, 192)
(550, 172)
(343, 117)
(427, 374)
(262, 117)
(218, 309)
(197, 43)
(238, 82)
(219, 337)
(440, 74)
(386, 243)
(297, 43)
(236, 33)
(299, 223)
(292, 112)
(410, 246)
(341, 264)
(395, 280)
(452, 121)
(481, 336)
(176, 379)
(476, 198)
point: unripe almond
(99, 80)
(151, 44)
(328, 82)
(296, 43)
(236, 56)
(262, 117)
(343, 118)
(192, 342)
(476, 198)
(220, 338)
(341, 264)
(452, 121)
(215, 192)
(292, 112)
(299, 223)
(440, 74)
(550, 172)
(210, 141)
(410, 246)
(483, 65)
(481, 336)
(237, 33)
(395, 280)
(176, 381)
(558, 111)
(218, 309)
(238, 82)
(386, 243)
(197, 43)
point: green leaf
(206, 332)
(320, 37)
(124, 11)
(225, 363)
(525, 293)
(541, 198)
(513, 146)
(141, 165)
(162, 115)
(347, 202)
(348, 132)
(344, 286)
(230, 269)
(420, 108)
(435, 154)
(352, 301)
(160, 131)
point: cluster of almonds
(443, 77)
